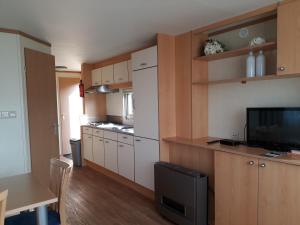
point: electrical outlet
(235, 136)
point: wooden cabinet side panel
(279, 200)
(236, 189)
(288, 38)
(183, 74)
(166, 92)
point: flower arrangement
(213, 46)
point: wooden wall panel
(199, 159)
(94, 104)
(199, 92)
(166, 89)
(183, 73)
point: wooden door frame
(62, 74)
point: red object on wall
(81, 89)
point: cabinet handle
(120, 78)
(89, 137)
(137, 140)
(143, 64)
(100, 140)
(121, 146)
(251, 163)
(124, 137)
(106, 142)
(263, 165)
(281, 68)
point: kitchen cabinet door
(108, 74)
(146, 154)
(145, 91)
(288, 38)
(236, 189)
(98, 151)
(111, 155)
(87, 146)
(121, 72)
(96, 77)
(126, 161)
(279, 201)
(144, 59)
(129, 64)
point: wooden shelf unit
(238, 52)
(244, 80)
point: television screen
(277, 129)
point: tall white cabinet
(146, 131)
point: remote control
(212, 142)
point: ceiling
(92, 30)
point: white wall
(228, 102)
(114, 104)
(14, 135)
(12, 144)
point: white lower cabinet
(98, 151)
(111, 155)
(126, 160)
(146, 154)
(88, 146)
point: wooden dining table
(26, 193)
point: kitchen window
(128, 104)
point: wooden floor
(94, 199)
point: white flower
(213, 47)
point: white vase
(260, 64)
(251, 65)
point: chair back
(59, 179)
(3, 197)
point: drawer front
(110, 135)
(98, 132)
(125, 138)
(144, 58)
(87, 130)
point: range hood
(100, 89)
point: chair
(59, 179)
(3, 197)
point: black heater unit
(181, 194)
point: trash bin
(76, 151)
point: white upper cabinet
(121, 72)
(97, 77)
(145, 90)
(144, 58)
(108, 74)
(129, 64)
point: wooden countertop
(292, 159)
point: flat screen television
(277, 129)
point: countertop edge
(291, 159)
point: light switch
(12, 114)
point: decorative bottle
(251, 65)
(260, 64)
